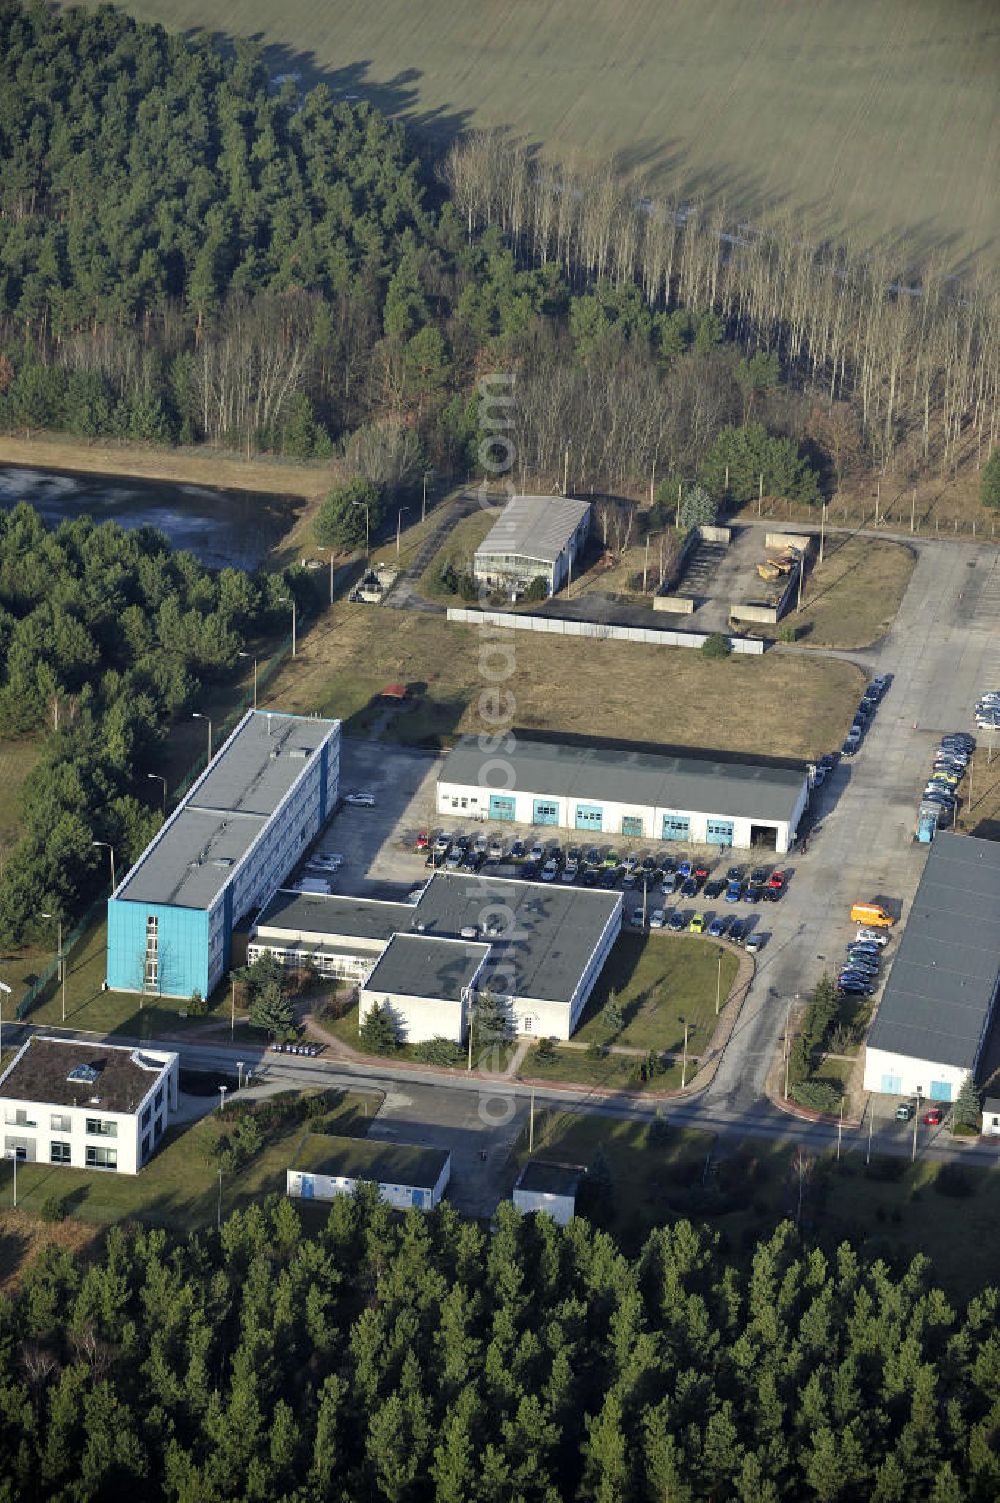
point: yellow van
(872, 914)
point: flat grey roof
(120, 1076)
(322, 914)
(644, 779)
(414, 965)
(940, 992)
(369, 1159)
(534, 527)
(541, 937)
(193, 856)
(540, 1178)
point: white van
(313, 884)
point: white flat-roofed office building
(87, 1106)
(637, 794)
(539, 950)
(230, 842)
(534, 537)
(940, 998)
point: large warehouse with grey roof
(644, 795)
(535, 537)
(940, 999)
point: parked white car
(360, 800)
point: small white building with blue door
(940, 1000)
(623, 793)
(406, 1176)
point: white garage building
(939, 1001)
(534, 537)
(538, 950)
(643, 795)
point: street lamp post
(916, 1123)
(239, 1066)
(157, 777)
(285, 600)
(788, 1021)
(59, 958)
(4, 992)
(423, 504)
(197, 715)
(399, 523)
(247, 655)
(12, 1153)
(222, 1097)
(718, 984)
(684, 1056)
(106, 844)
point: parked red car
(776, 880)
(422, 841)
(933, 1118)
(700, 871)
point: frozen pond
(236, 528)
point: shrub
(53, 1208)
(788, 633)
(538, 589)
(716, 645)
(438, 1051)
(545, 1051)
(596, 1050)
(819, 1095)
(198, 1005)
(467, 588)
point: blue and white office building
(224, 850)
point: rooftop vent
(299, 753)
(82, 1075)
(224, 861)
(468, 932)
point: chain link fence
(51, 971)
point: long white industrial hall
(635, 794)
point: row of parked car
(714, 925)
(860, 974)
(870, 701)
(603, 867)
(937, 802)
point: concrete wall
(562, 627)
(678, 605)
(716, 534)
(908, 1073)
(802, 542)
(418, 1018)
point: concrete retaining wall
(561, 626)
(716, 534)
(770, 614)
(679, 605)
(800, 541)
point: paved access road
(941, 653)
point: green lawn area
(851, 598)
(644, 1173)
(180, 1185)
(659, 978)
(129, 1013)
(613, 1071)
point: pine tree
(966, 1110)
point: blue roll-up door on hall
(940, 1090)
(545, 812)
(720, 832)
(675, 827)
(589, 817)
(892, 1085)
(501, 806)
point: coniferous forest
(424, 1358)
(192, 252)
